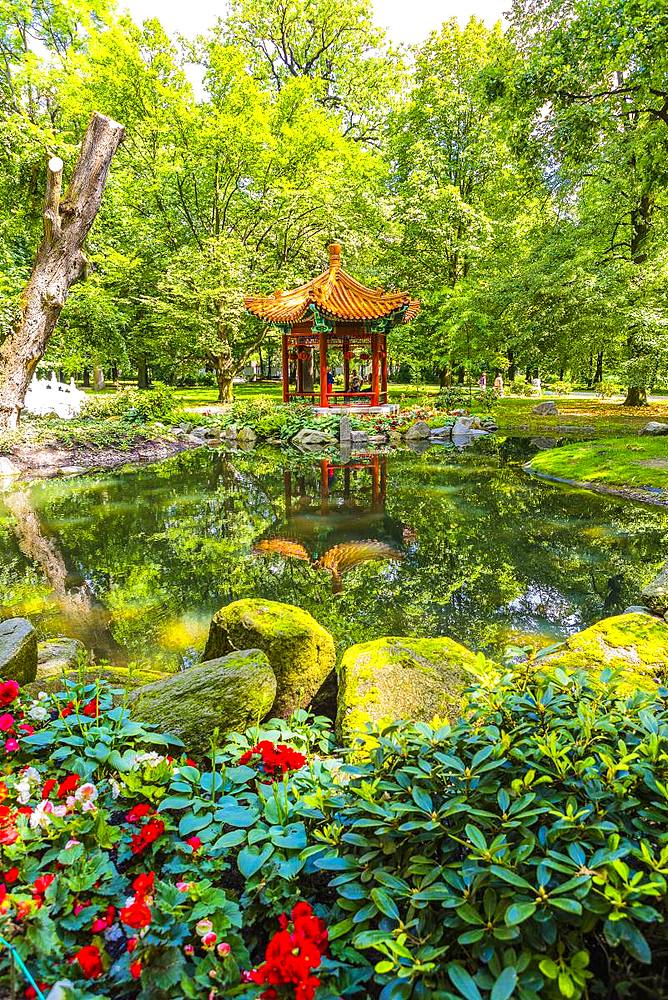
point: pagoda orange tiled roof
(335, 294)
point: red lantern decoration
(303, 355)
(365, 357)
(349, 355)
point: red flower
(6, 722)
(68, 785)
(9, 691)
(11, 875)
(291, 956)
(135, 969)
(138, 812)
(42, 883)
(27, 729)
(48, 787)
(275, 758)
(103, 923)
(31, 993)
(131, 945)
(137, 914)
(194, 842)
(90, 961)
(69, 708)
(92, 709)
(143, 884)
(190, 762)
(148, 833)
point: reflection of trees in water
(486, 549)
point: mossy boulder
(401, 678)
(58, 656)
(121, 678)
(229, 693)
(18, 650)
(301, 652)
(636, 643)
(655, 594)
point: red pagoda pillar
(375, 369)
(286, 370)
(324, 395)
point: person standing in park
(482, 381)
(498, 383)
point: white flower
(86, 792)
(23, 791)
(153, 759)
(40, 815)
(43, 696)
(115, 788)
(38, 713)
(32, 774)
(60, 811)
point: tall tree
(59, 262)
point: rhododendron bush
(521, 852)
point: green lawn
(632, 462)
(208, 396)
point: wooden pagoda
(334, 312)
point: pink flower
(209, 940)
(6, 722)
(188, 949)
(12, 745)
(223, 949)
(183, 886)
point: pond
(134, 562)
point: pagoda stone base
(386, 409)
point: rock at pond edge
(655, 594)
(18, 650)
(229, 692)
(401, 678)
(636, 643)
(301, 652)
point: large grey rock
(655, 594)
(8, 468)
(247, 435)
(307, 437)
(230, 693)
(59, 656)
(358, 437)
(546, 409)
(655, 429)
(543, 443)
(301, 651)
(466, 425)
(401, 678)
(418, 430)
(18, 650)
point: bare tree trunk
(59, 261)
(635, 396)
(143, 381)
(224, 375)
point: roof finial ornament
(334, 256)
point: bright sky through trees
(405, 22)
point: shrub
(519, 852)
(456, 397)
(520, 387)
(135, 405)
(607, 388)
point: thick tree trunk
(512, 367)
(224, 377)
(59, 261)
(636, 396)
(598, 374)
(143, 381)
(86, 378)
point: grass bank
(630, 466)
(596, 417)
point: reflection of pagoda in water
(335, 516)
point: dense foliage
(513, 180)
(518, 852)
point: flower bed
(520, 853)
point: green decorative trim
(320, 324)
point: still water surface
(135, 562)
